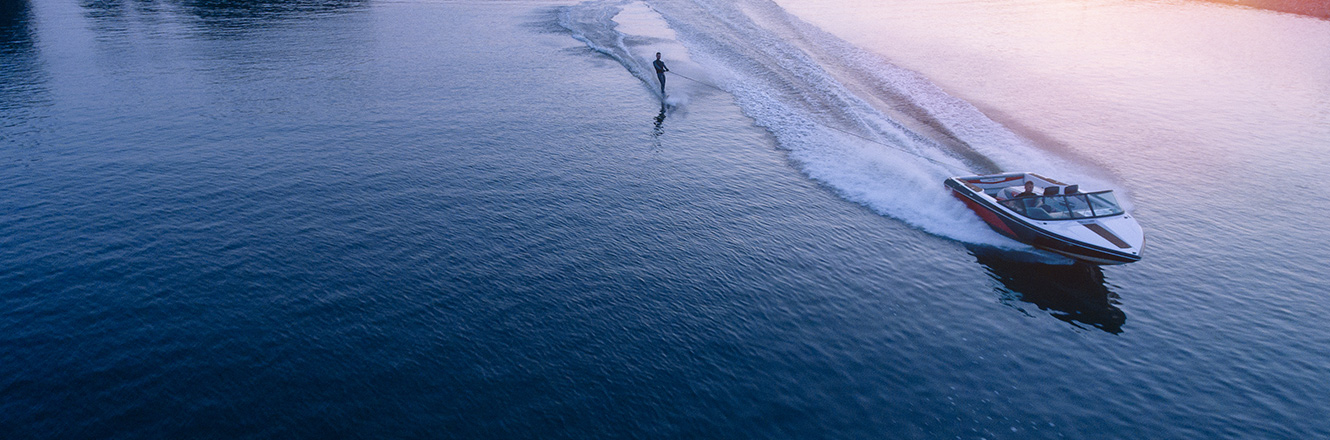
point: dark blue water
(457, 219)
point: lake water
(461, 219)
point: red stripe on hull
(989, 217)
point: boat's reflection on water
(1075, 293)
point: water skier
(660, 72)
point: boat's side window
(1015, 205)
(1078, 206)
(1055, 207)
(1104, 204)
(1032, 207)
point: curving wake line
(594, 23)
(880, 135)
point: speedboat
(1089, 226)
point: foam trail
(821, 97)
(600, 24)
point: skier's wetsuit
(660, 73)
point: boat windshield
(1064, 207)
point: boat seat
(1009, 193)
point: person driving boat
(1029, 191)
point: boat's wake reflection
(1074, 293)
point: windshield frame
(1041, 200)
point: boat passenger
(1029, 191)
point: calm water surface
(475, 219)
